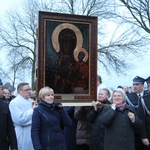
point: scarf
(121, 106)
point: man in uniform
(140, 100)
(148, 83)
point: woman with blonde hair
(48, 121)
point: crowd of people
(117, 119)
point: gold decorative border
(69, 19)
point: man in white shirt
(21, 109)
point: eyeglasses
(26, 90)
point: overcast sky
(142, 67)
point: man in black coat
(7, 131)
(140, 101)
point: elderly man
(7, 131)
(126, 89)
(140, 100)
(7, 95)
(21, 109)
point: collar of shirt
(141, 94)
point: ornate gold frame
(53, 64)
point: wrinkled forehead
(6, 90)
(117, 93)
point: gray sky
(142, 67)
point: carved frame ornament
(67, 56)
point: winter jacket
(48, 122)
(7, 131)
(83, 132)
(119, 129)
(98, 130)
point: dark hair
(1, 86)
(1, 82)
(119, 86)
(99, 78)
(20, 85)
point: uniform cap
(138, 80)
(148, 80)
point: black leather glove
(58, 105)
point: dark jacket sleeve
(92, 115)
(137, 124)
(108, 116)
(70, 110)
(80, 112)
(141, 115)
(35, 130)
(11, 131)
(66, 120)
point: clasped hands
(95, 104)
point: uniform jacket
(7, 131)
(141, 111)
(47, 127)
(119, 129)
(133, 100)
(21, 111)
(144, 114)
(97, 134)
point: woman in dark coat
(94, 116)
(120, 122)
(7, 131)
(48, 122)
